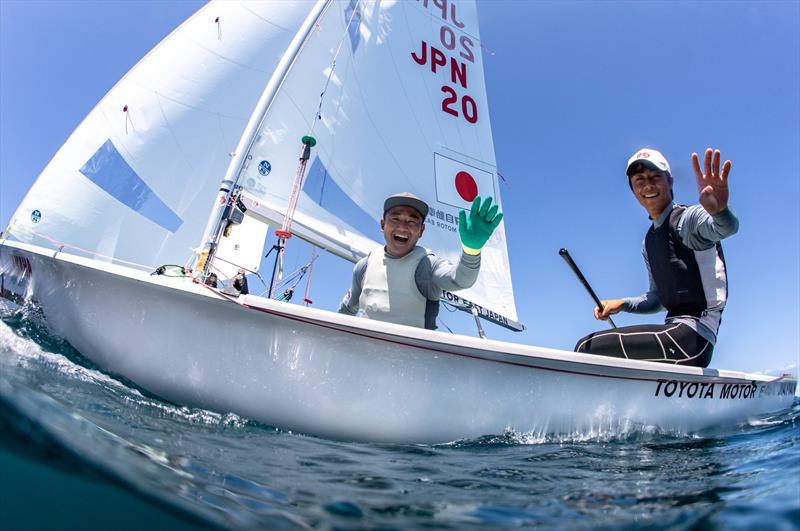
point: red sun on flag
(466, 186)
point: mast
(202, 257)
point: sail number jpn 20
(444, 59)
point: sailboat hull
(346, 378)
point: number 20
(468, 106)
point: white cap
(648, 157)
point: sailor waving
(403, 282)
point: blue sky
(574, 89)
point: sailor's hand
(711, 182)
(476, 229)
(610, 307)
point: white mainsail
(135, 180)
(405, 110)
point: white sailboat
(394, 94)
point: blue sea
(80, 449)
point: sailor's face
(653, 190)
(402, 227)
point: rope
(296, 276)
(313, 256)
(162, 271)
(307, 291)
(252, 272)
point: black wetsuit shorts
(668, 343)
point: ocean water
(81, 449)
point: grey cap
(406, 199)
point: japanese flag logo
(458, 183)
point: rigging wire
(318, 115)
(441, 322)
(308, 141)
(252, 272)
(294, 279)
(230, 183)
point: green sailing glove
(476, 230)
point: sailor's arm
(648, 302)
(349, 303)
(700, 230)
(435, 274)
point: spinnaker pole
(204, 255)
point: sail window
(108, 170)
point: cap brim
(644, 162)
(417, 204)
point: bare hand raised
(711, 182)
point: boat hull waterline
(341, 377)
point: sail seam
(227, 59)
(243, 6)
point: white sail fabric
(242, 248)
(405, 110)
(137, 178)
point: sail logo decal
(483, 312)
(36, 216)
(264, 167)
(109, 170)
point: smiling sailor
(684, 259)
(403, 282)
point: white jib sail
(136, 179)
(405, 110)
